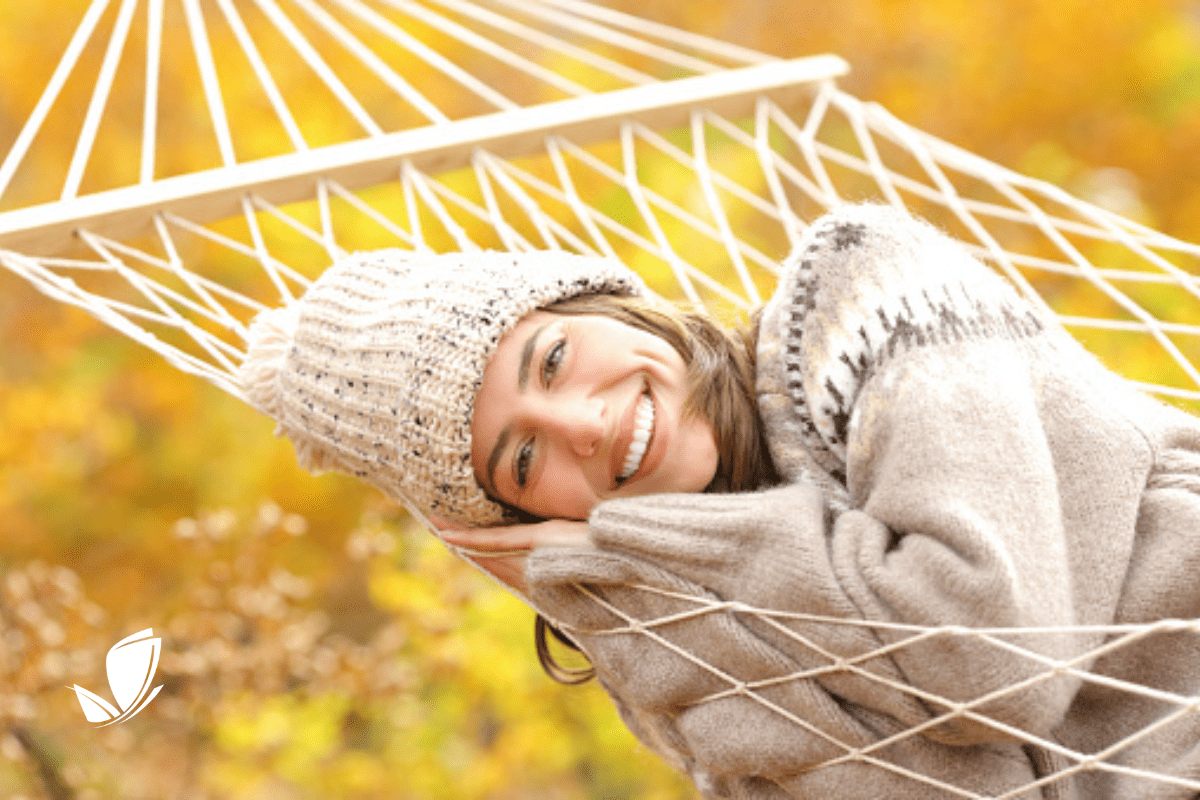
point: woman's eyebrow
(522, 382)
(494, 459)
(527, 358)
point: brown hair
(720, 388)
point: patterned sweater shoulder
(869, 282)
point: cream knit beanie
(374, 371)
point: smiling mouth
(643, 432)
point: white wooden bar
(216, 194)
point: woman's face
(578, 409)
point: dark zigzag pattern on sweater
(935, 321)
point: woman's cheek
(560, 499)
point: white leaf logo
(131, 664)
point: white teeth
(643, 424)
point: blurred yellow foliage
(316, 644)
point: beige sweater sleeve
(750, 705)
(956, 522)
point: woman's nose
(581, 424)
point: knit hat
(373, 373)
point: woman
(948, 457)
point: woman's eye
(552, 361)
(523, 461)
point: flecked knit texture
(954, 459)
(374, 371)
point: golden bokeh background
(316, 643)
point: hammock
(341, 125)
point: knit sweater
(953, 460)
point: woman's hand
(501, 551)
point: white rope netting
(329, 126)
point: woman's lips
(643, 430)
(624, 435)
(655, 447)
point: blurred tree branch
(45, 760)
